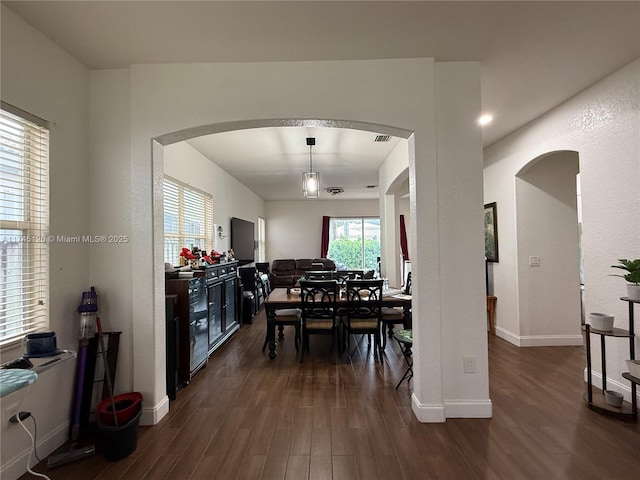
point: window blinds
(24, 224)
(188, 219)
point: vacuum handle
(99, 325)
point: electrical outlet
(469, 364)
(9, 412)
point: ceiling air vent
(334, 190)
(382, 138)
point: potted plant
(633, 276)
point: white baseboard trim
(551, 341)
(508, 336)
(540, 340)
(153, 415)
(427, 413)
(468, 408)
(15, 467)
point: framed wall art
(491, 232)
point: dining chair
(363, 311)
(390, 316)
(319, 308)
(284, 317)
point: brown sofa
(286, 272)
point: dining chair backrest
(364, 298)
(318, 275)
(343, 275)
(319, 299)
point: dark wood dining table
(279, 299)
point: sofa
(287, 272)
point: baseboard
(468, 408)
(507, 335)
(15, 467)
(153, 415)
(551, 341)
(427, 413)
(540, 340)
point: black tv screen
(242, 240)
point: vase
(633, 292)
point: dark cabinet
(222, 283)
(206, 311)
(215, 291)
(171, 324)
(193, 344)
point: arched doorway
(548, 258)
(395, 172)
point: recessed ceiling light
(485, 119)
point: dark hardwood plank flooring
(340, 418)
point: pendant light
(311, 179)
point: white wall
(38, 77)
(294, 229)
(601, 124)
(459, 225)
(230, 197)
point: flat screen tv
(242, 240)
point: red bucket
(127, 406)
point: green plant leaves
(631, 266)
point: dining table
(286, 298)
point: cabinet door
(230, 302)
(216, 325)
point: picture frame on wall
(491, 232)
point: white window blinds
(24, 224)
(188, 219)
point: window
(262, 240)
(354, 243)
(188, 219)
(24, 224)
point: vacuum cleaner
(88, 312)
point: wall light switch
(469, 364)
(534, 261)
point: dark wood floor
(247, 417)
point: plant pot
(601, 321)
(633, 292)
(613, 398)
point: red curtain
(403, 240)
(324, 241)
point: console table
(491, 313)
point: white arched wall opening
(548, 250)
(439, 102)
(394, 176)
